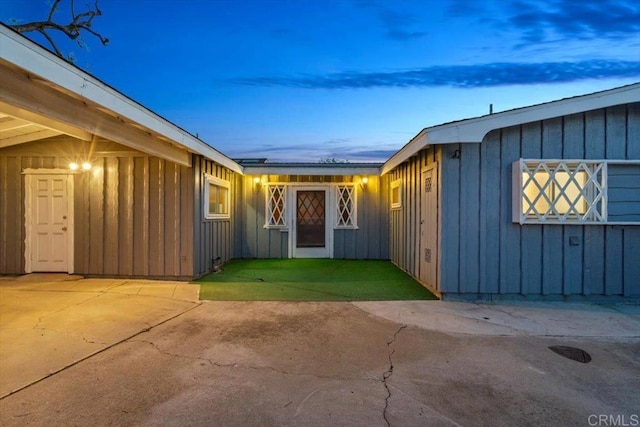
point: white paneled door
(49, 223)
(429, 226)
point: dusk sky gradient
(303, 80)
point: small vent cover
(427, 185)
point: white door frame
(29, 174)
(294, 252)
(423, 265)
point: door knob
(64, 228)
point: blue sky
(304, 80)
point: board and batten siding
(369, 241)
(128, 209)
(484, 253)
(214, 238)
(623, 192)
(405, 220)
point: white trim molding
(225, 205)
(396, 186)
(41, 64)
(276, 206)
(563, 191)
(29, 174)
(346, 207)
(474, 130)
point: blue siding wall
(404, 224)
(213, 238)
(369, 241)
(624, 193)
(485, 255)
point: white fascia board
(27, 55)
(410, 149)
(474, 130)
(312, 170)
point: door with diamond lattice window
(310, 237)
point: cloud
(460, 76)
(395, 24)
(366, 155)
(576, 19)
(314, 152)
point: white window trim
(210, 179)
(354, 210)
(396, 184)
(268, 215)
(332, 210)
(595, 197)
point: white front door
(429, 226)
(311, 223)
(48, 222)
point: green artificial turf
(310, 280)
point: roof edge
(327, 169)
(33, 58)
(474, 130)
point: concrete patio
(51, 321)
(122, 352)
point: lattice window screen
(276, 202)
(559, 191)
(346, 206)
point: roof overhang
(310, 169)
(474, 130)
(41, 88)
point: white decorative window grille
(396, 197)
(346, 206)
(216, 196)
(559, 191)
(276, 204)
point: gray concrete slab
(316, 364)
(49, 322)
(615, 321)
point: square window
(554, 191)
(396, 197)
(216, 198)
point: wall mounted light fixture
(363, 182)
(74, 166)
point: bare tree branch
(79, 22)
(54, 6)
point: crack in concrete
(498, 309)
(95, 353)
(387, 374)
(239, 366)
(41, 318)
(65, 332)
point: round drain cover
(573, 353)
